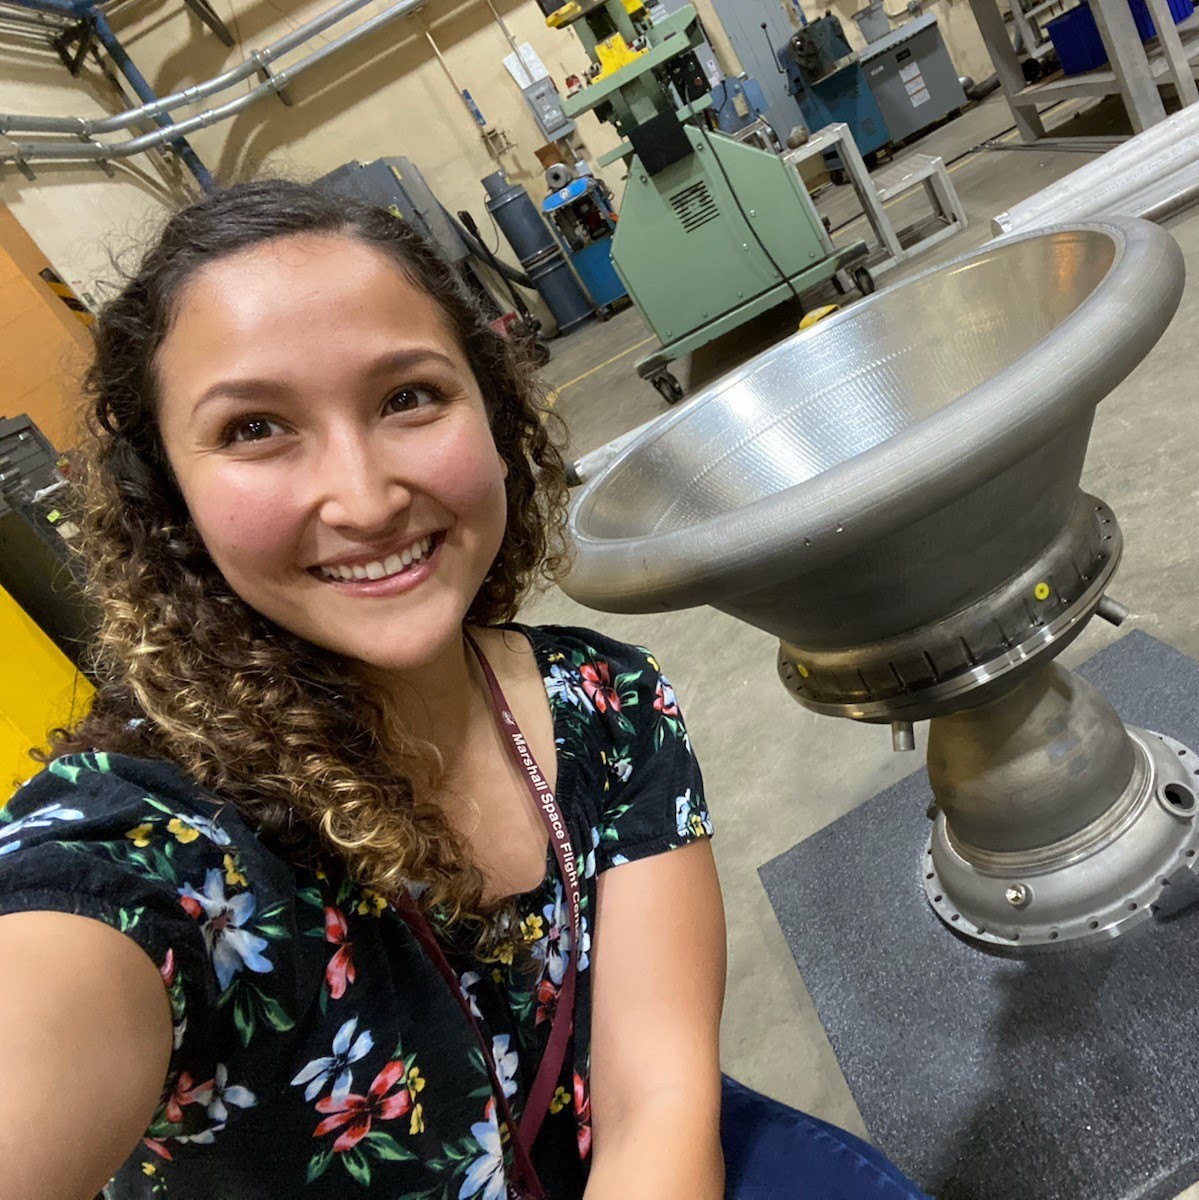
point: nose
(358, 484)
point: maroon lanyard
(549, 1070)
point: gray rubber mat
(1067, 1076)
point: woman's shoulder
(605, 683)
(96, 798)
(558, 643)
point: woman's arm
(658, 963)
(85, 1042)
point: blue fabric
(772, 1151)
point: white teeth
(391, 565)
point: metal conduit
(255, 61)
(42, 22)
(1110, 182)
(95, 151)
(142, 89)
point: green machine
(712, 231)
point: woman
(398, 898)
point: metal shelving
(1135, 71)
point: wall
(42, 343)
(385, 95)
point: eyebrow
(256, 390)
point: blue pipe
(85, 10)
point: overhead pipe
(26, 152)
(13, 14)
(91, 22)
(137, 81)
(255, 62)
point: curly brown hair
(305, 746)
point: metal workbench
(1134, 71)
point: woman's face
(332, 446)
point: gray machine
(395, 184)
(546, 106)
(912, 77)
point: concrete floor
(776, 773)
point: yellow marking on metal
(1041, 591)
(614, 54)
(563, 16)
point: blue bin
(1179, 10)
(1076, 39)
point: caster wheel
(839, 178)
(842, 283)
(668, 387)
(863, 280)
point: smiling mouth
(382, 568)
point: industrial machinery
(712, 233)
(37, 569)
(894, 494)
(912, 77)
(540, 255)
(827, 81)
(579, 209)
(398, 186)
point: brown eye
(409, 399)
(254, 429)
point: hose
(480, 251)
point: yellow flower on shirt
(140, 837)
(232, 874)
(371, 904)
(183, 831)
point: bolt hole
(1165, 882)
(1015, 937)
(1180, 797)
(1053, 935)
(955, 917)
(1132, 906)
(1181, 753)
(1092, 924)
(929, 875)
(937, 899)
(1190, 854)
(982, 929)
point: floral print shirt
(317, 1051)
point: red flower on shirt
(583, 1115)
(597, 684)
(185, 1092)
(547, 1001)
(665, 700)
(339, 974)
(357, 1112)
